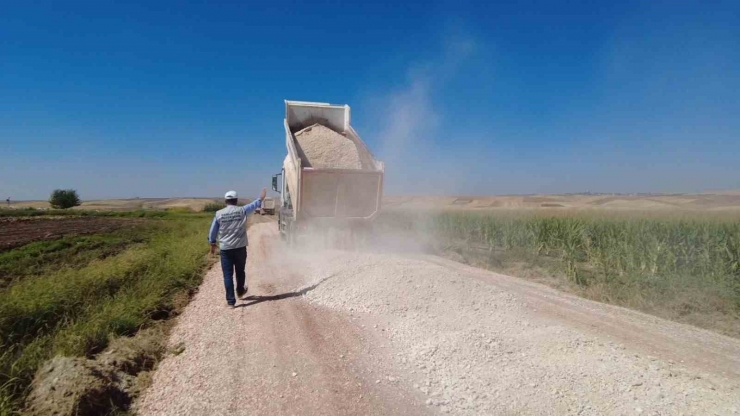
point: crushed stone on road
(332, 332)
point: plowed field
(15, 232)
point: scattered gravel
(378, 333)
(322, 147)
(472, 348)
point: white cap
(231, 195)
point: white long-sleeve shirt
(229, 226)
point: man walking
(229, 229)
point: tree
(64, 198)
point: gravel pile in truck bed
(322, 147)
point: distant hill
(708, 201)
(591, 201)
(196, 204)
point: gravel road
(331, 332)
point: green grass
(684, 267)
(40, 258)
(76, 308)
(214, 206)
(32, 212)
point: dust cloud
(411, 123)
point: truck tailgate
(340, 193)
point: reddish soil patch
(15, 232)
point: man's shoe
(243, 293)
(231, 306)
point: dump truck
(268, 207)
(320, 197)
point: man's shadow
(255, 299)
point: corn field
(690, 261)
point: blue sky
(457, 97)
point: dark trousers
(234, 260)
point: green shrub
(64, 198)
(214, 206)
